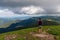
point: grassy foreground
(24, 34)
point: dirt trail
(44, 36)
(10, 37)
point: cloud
(7, 13)
(31, 10)
(50, 6)
(58, 9)
(43, 3)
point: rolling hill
(31, 22)
(47, 20)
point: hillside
(28, 23)
(8, 24)
(25, 34)
(31, 22)
(23, 28)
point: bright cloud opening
(31, 10)
(58, 9)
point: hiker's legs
(39, 29)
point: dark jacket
(39, 22)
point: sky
(13, 8)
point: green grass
(54, 30)
(22, 33)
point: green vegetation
(7, 24)
(54, 30)
(23, 33)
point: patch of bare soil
(10, 37)
(43, 35)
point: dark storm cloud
(15, 3)
(48, 5)
(28, 2)
(43, 3)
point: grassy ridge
(22, 33)
(54, 30)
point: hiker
(40, 24)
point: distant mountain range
(5, 20)
(30, 22)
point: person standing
(40, 22)
(40, 25)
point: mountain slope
(32, 22)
